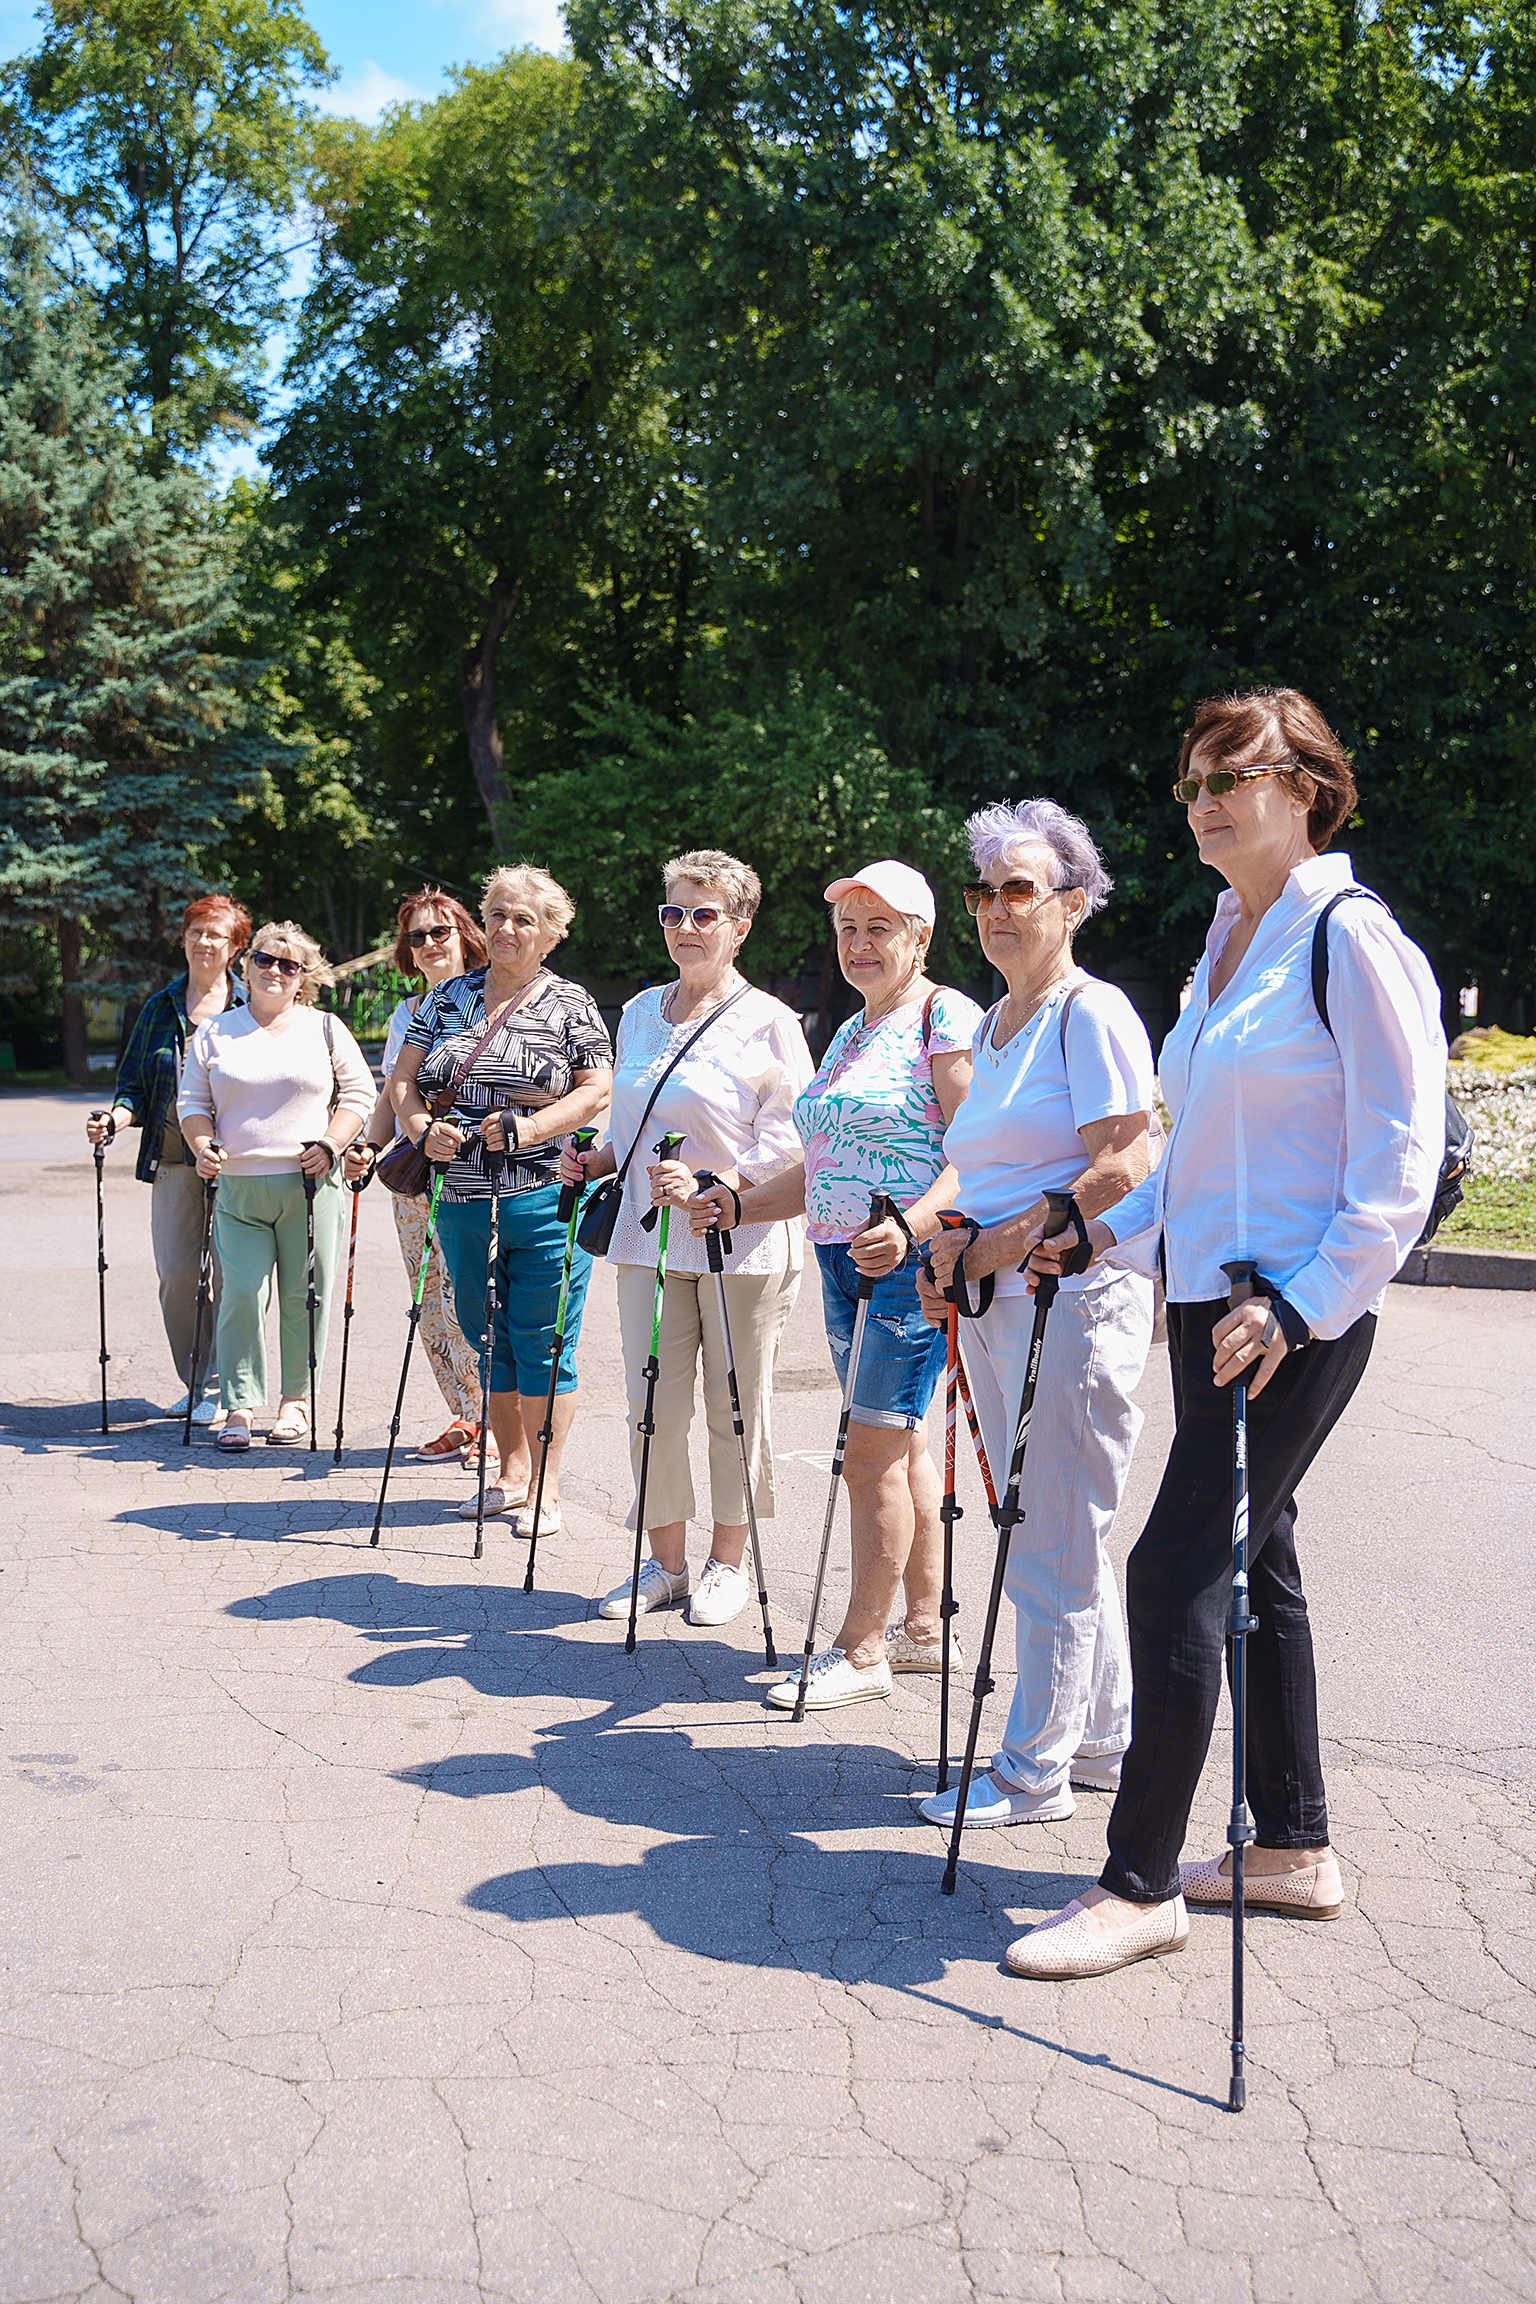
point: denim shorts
(902, 1358)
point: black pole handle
(310, 1182)
(581, 1144)
(1244, 1278)
(717, 1241)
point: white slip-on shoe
(1315, 1893)
(657, 1590)
(904, 1654)
(720, 1594)
(1066, 1945)
(497, 1502)
(208, 1413)
(1095, 1771)
(522, 1520)
(987, 1803)
(833, 1681)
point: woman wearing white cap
(873, 1120)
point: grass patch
(1498, 1212)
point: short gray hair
(1077, 862)
(732, 880)
(542, 890)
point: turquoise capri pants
(532, 1248)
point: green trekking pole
(570, 1208)
(667, 1149)
(410, 1339)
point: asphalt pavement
(376, 1931)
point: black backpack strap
(1320, 948)
(1066, 1009)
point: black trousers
(1178, 1590)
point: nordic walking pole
(985, 1469)
(99, 1155)
(410, 1338)
(717, 1246)
(1239, 1624)
(357, 1190)
(667, 1149)
(309, 1251)
(569, 1213)
(495, 1168)
(951, 1509)
(880, 1207)
(204, 1299)
(1062, 1210)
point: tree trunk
(76, 1057)
(477, 681)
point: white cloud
(525, 23)
(366, 94)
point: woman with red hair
(215, 929)
(436, 940)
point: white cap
(900, 887)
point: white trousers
(1074, 1686)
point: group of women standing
(1306, 1136)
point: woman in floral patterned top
(873, 1120)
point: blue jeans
(531, 1249)
(902, 1358)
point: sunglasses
(416, 937)
(1018, 895)
(1219, 782)
(273, 960)
(679, 915)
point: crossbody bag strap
(442, 1102)
(692, 1041)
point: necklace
(669, 1002)
(1031, 1022)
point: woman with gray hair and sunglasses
(1060, 1100)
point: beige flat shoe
(904, 1654)
(1317, 1893)
(1066, 1946)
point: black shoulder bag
(601, 1213)
(1457, 1158)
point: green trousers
(260, 1228)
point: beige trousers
(757, 1306)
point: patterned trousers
(454, 1362)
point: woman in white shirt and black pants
(1315, 1152)
(1060, 1100)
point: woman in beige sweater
(273, 1093)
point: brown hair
(214, 906)
(732, 880)
(1233, 724)
(470, 937)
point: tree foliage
(125, 747)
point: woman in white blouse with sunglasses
(731, 1099)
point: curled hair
(1075, 858)
(542, 889)
(737, 885)
(278, 934)
(1230, 726)
(470, 937)
(216, 906)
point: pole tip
(947, 1884)
(1238, 2096)
(629, 1643)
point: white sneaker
(657, 1590)
(987, 1803)
(833, 1681)
(1096, 1771)
(720, 1594)
(904, 1654)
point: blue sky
(387, 50)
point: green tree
(126, 747)
(171, 139)
(478, 466)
